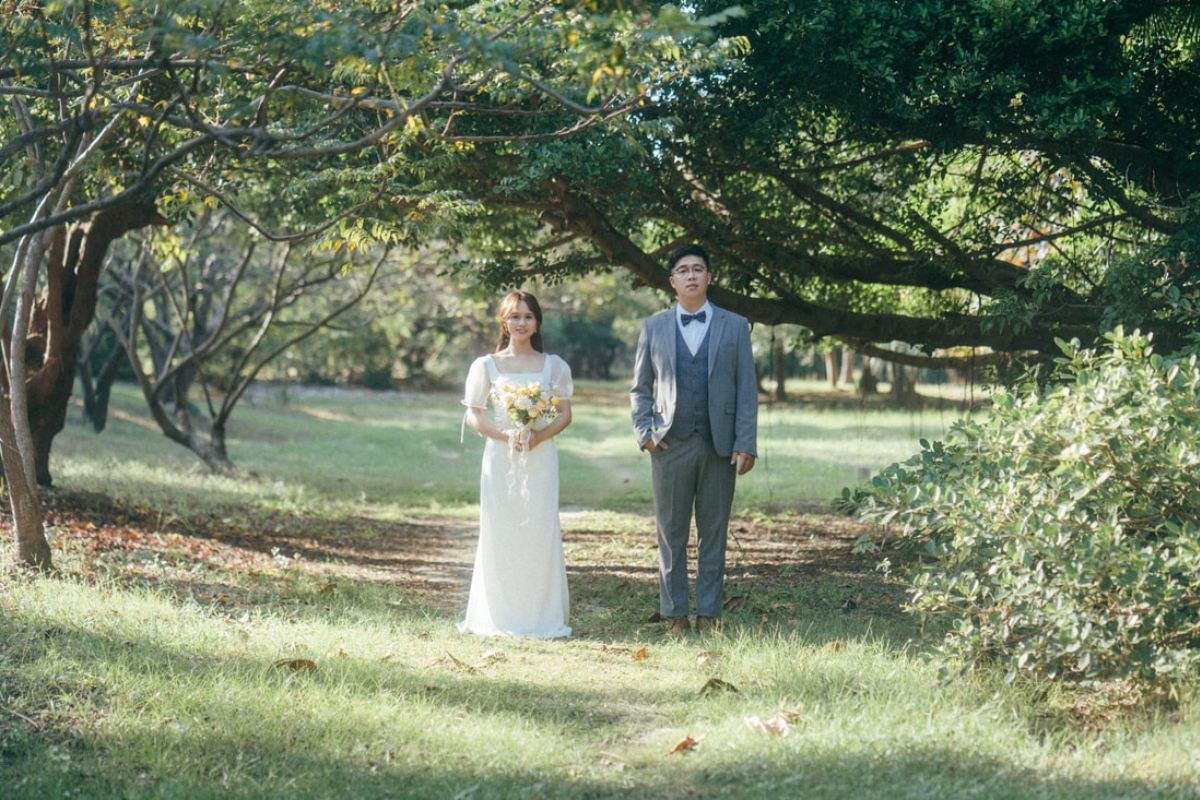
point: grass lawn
(288, 631)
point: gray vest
(691, 389)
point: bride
(519, 583)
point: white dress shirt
(694, 331)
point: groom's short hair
(687, 250)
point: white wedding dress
(519, 584)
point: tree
(970, 178)
(211, 316)
(416, 330)
(121, 113)
(594, 322)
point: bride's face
(520, 323)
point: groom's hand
(744, 461)
(652, 445)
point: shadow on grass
(276, 733)
(785, 573)
(933, 773)
(241, 726)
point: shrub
(1062, 532)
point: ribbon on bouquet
(518, 455)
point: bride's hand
(535, 438)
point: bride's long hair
(509, 305)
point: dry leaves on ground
(780, 724)
(717, 685)
(685, 744)
(489, 657)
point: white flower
(523, 402)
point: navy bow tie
(686, 318)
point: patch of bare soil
(433, 557)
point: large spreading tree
(122, 114)
(972, 179)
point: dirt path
(431, 556)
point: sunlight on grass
(402, 454)
(177, 661)
(182, 699)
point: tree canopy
(303, 119)
(962, 176)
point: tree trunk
(32, 547)
(779, 368)
(98, 389)
(868, 383)
(847, 366)
(216, 456)
(904, 388)
(831, 369)
(61, 317)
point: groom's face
(690, 278)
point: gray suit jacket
(732, 384)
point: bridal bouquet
(529, 405)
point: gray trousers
(690, 475)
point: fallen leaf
(835, 646)
(458, 663)
(716, 684)
(734, 603)
(655, 617)
(493, 655)
(776, 725)
(295, 664)
(640, 655)
(791, 715)
(339, 653)
(685, 744)
(707, 658)
(386, 656)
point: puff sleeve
(560, 377)
(479, 386)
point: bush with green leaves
(1061, 534)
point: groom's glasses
(696, 270)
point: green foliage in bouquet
(1062, 533)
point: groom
(695, 410)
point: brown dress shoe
(706, 624)
(678, 626)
